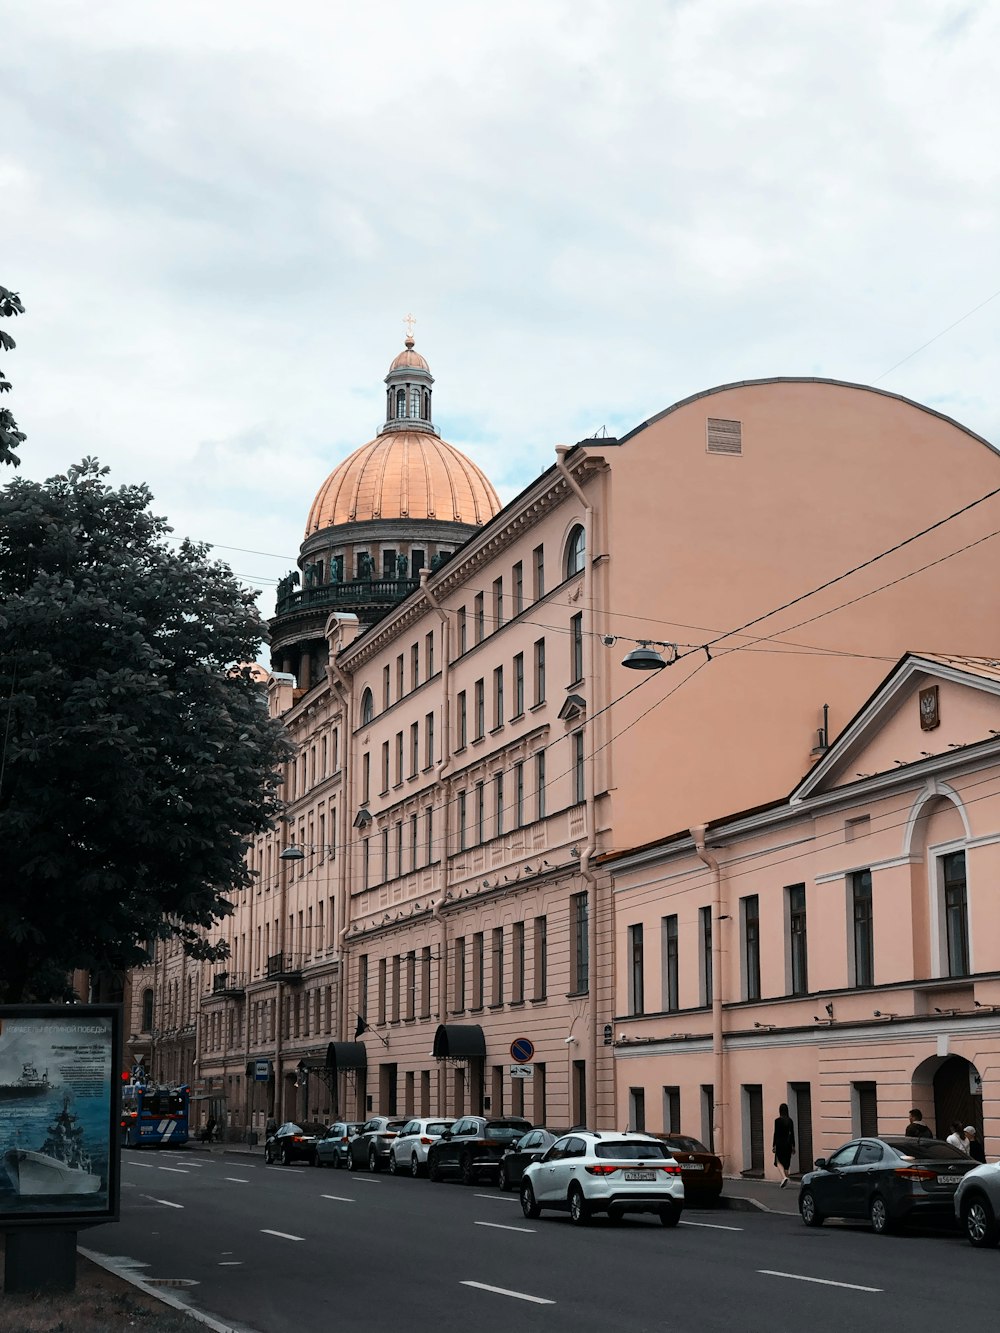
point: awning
(459, 1041)
(341, 1055)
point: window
(496, 964)
(518, 684)
(366, 862)
(388, 563)
(428, 740)
(385, 852)
(367, 708)
(795, 896)
(517, 580)
(497, 603)
(480, 617)
(463, 720)
(540, 784)
(381, 989)
(425, 982)
(396, 988)
(750, 923)
(518, 795)
(580, 939)
(463, 640)
(498, 696)
(385, 767)
(414, 402)
(363, 986)
(462, 820)
(414, 842)
(956, 913)
(365, 777)
(708, 1115)
(428, 835)
(399, 848)
(429, 654)
(541, 957)
(538, 571)
(705, 927)
(636, 989)
(672, 1110)
(576, 548)
(480, 710)
(637, 1110)
(539, 672)
(147, 1011)
(576, 649)
(399, 677)
(517, 980)
(863, 932)
(459, 972)
(411, 985)
(414, 749)
(414, 666)
(480, 812)
(670, 960)
(478, 947)
(498, 802)
(399, 758)
(386, 692)
(579, 785)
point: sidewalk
(760, 1195)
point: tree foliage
(136, 756)
(10, 436)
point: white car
(408, 1152)
(608, 1172)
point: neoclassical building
(435, 926)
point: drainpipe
(718, 1047)
(341, 682)
(590, 785)
(444, 769)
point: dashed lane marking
(166, 1202)
(505, 1291)
(499, 1226)
(823, 1281)
(338, 1198)
(230, 1263)
(712, 1226)
(177, 1170)
(497, 1198)
(237, 1180)
(284, 1235)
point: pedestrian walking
(916, 1129)
(783, 1144)
(975, 1149)
(957, 1138)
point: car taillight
(671, 1168)
(425, 1140)
(602, 1170)
(915, 1173)
(345, 1139)
(296, 1138)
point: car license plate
(692, 1166)
(949, 1180)
(639, 1175)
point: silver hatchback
(977, 1205)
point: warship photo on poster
(58, 1089)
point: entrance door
(802, 1098)
(755, 1122)
(954, 1098)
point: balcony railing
(365, 591)
(284, 967)
(229, 983)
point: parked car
(701, 1170)
(408, 1150)
(977, 1204)
(891, 1181)
(528, 1148)
(371, 1146)
(473, 1147)
(292, 1143)
(609, 1172)
(331, 1149)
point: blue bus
(154, 1116)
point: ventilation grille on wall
(725, 437)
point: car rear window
(503, 1133)
(637, 1150)
(311, 1128)
(397, 1124)
(437, 1127)
(683, 1144)
(927, 1150)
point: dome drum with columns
(401, 503)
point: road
(292, 1249)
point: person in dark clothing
(916, 1129)
(975, 1149)
(783, 1143)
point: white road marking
(823, 1281)
(285, 1235)
(712, 1226)
(499, 1226)
(237, 1180)
(230, 1263)
(498, 1198)
(368, 1180)
(504, 1291)
(146, 1166)
(166, 1202)
(338, 1198)
(178, 1170)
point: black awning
(341, 1055)
(459, 1041)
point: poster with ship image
(59, 1112)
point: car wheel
(393, 1165)
(528, 1205)
(810, 1214)
(579, 1213)
(468, 1170)
(980, 1223)
(337, 1163)
(373, 1162)
(434, 1171)
(878, 1212)
(670, 1215)
(504, 1179)
(268, 1156)
(414, 1165)
(352, 1164)
(315, 1159)
(286, 1156)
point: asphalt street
(294, 1249)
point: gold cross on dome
(409, 321)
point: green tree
(10, 436)
(136, 755)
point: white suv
(408, 1151)
(608, 1172)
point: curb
(124, 1268)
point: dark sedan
(293, 1143)
(890, 1181)
(701, 1170)
(525, 1150)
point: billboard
(59, 1092)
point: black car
(528, 1148)
(890, 1181)
(473, 1147)
(293, 1143)
(371, 1146)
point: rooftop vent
(724, 437)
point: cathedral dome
(404, 474)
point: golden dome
(404, 474)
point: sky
(218, 212)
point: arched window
(414, 403)
(576, 550)
(400, 403)
(426, 412)
(367, 708)
(147, 1011)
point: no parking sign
(522, 1050)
